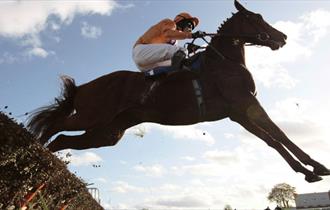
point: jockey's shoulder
(167, 22)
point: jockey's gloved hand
(192, 48)
(198, 34)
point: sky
(174, 167)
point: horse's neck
(231, 50)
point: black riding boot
(178, 61)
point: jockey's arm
(170, 32)
(177, 35)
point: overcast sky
(175, 167)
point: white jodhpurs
(148, 56)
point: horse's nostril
(285, 36)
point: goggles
(185, 23)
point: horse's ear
(238, 6)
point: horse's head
(249, 27)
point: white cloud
(190, 132)
(91, 32)
(221, 157)
(19, 18)
(290, 109)
(80, 159)
(268, 66)
(211, 184)
(24, 19)
(156, 170)
(124, 187)
(39, 52)
(138, 130)
(185, 201)
(101, 179)
(87, 158)
(199, 169)
(31, 40)
(120, 206)
(318, 23)
(123, 162)
(229, 135)
(180, 196)
(168, 188)
(188, 158)
(106, 205)
(204, 193)
(7, 58)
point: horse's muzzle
(274, 45)
(277, 44)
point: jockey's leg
(178, 60)
(148, 56)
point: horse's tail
(43, 119)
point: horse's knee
(255, 112)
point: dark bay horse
(105, 107)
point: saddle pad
(158, 70)
(195, 63)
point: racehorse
(105, 107)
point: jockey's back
(156, 34)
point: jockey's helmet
(185, 20)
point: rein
(263, 37)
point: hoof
(313, 178)
(322, 171)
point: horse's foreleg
(262, 134)
(257, 114)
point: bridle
(261, 36)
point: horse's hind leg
(259, 132)
(71, 123)
(105, 135)
(260, 117)
(93, 138)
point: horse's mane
(225, 23)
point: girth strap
(199, 96)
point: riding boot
(178, 61)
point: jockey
(158, 45)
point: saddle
(192, 64)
